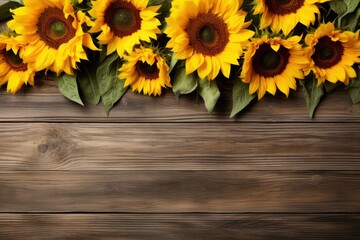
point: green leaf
(330, 87)
(68, 87)
(107, 73)
(241, 97)
(351, 5)
(84, 6)
(172, 64)
(182, 83)
(111, 87)
(312, 92)
(164, 11)
(103, 53)
(343, 8)
(354, 90)
(88, 83)
(209, 91)
(113, 95)
(165, 5)
(21, 2)
(5, 13)
(338, 6)
(351, 21)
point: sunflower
(145, 71)
(332, 54)
(123, 23)
(13, 70)
(54, 33)
(286, 14)
(208, 35)
(273, 63)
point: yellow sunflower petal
(345, 49)
(219, 47)
(63, 42)
(145, 27)
(193, 63)
(13, 70)
(280, 71)
(145, 71)
(285, 17)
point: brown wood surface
(180, 191)
(33, 105)
(179, 146)
(180, 226)
(164, 168)
(177, 172)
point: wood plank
(179, 226)
(44, 103)
(232, 146)
(180, 191)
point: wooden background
(162, 169)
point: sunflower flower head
(54, 32)
(332, 53)
(145, 71)
(208, 35)
(286, 14)
(13, 70)
(273, 63)
(124, 23)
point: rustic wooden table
(162, 169)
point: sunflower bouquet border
(98, 49)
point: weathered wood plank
(232, 146)
(179, 226)
(44, 103)
(180, 191)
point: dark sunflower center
(268, 63)
(284, 2)
(327, 52)
(14, 61)
(122, 18)
(147, 71)
(283, 7)
(208, 34)
(270, 60)
(58, 29)
(54, 29)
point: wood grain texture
(180, 191)
(165, 169)
(45, 103)
(246, 146)
(179, 226)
